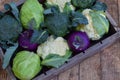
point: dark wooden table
(103, 66)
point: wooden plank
(71, 74)
(110, 62)
(55, 78)
(90, 68)
(113, 8)
(2, 2)
(110, 57)
(3, 73)
(119, 11)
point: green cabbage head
(98, 24)
(26, 65)
(31, 9)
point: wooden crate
(107, 40)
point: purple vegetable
(42, 1)
(78, 41)
(24, 41)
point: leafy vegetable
(99, 6)
(78, 41)
(31, 9)
(60, 3)
(39, 36)
(14, 10)
(8, 54)
(68, 8)
(53, 46)
(55, 60)
(83, 3)
(98, 24)
(10, 27)
(78, 18)
(57, 23)
(26, 65)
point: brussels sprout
(26, 65)
(31, 10)
(98, 24)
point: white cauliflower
(94, 29)
(89, 27)
(60, 3)
(53, 46)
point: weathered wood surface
(103, 66)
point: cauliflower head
(53, 46)
(97, 25)
(60, 3)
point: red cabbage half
(78, 41)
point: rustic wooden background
(103, 66)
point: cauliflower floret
(60, 3)
(53, 46)
(89, 27)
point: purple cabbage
(24, 41)
(78, 41)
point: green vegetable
(83, 3)
(98, 24)
(10, 26)
(99, 6)
(39, 36)
(68, 8)
(26, 65)
(78, 18)
(57, 23)
(8, 54)
(60, 24)
(60, 3)
(55, 60)
(31, 10)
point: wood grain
(90, 68)
(71, 74)
(110, 62)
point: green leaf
(67, 9)
(100, 23)
(68, 54)
(99, 6)
(54, 60)
(78, 18)
(12, 6)
(52, 10)
(39, 36)
(8, 54)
